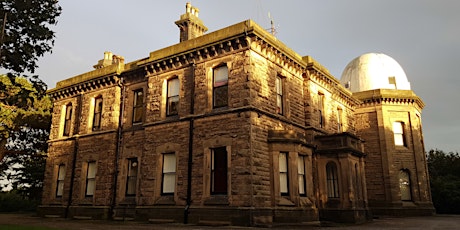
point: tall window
(220, 86)
(97, 113)
(67, 119)
(169, 174)
(339, 120)
(60, 181)
(332, 180)
(131, 179)
(138, 106)
(279, 95)
(90, 178)
(398, 131)
(172, 101)
(321, 110)
(301, 175)
(219, 171)
(284, 177)
(404, 185)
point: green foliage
(26, 35)
(14, 202)
(25, 116)
(444, 169)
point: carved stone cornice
(389, 97)
(92, 84)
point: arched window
(332, 181)
(404, 185)
(67, 119)
(220, 86)
(97, 115)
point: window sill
(284, 201)
(165, 200)
(217, 200)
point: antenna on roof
(272, 25)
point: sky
(423, 36)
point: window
(279, 95)
(97, 113)
(67, 119)
(138, 106)
(284, 177)
(220, 86)
(60, 181)
(219, 171)
(321, 110)
(339, 120)
(301, 175)
(172, 101)
(131, 179)
(169, 174)
(332, 180)
(398, 130)
(90, 178)
(404, 185)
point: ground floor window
(332, 180)
(168, 174)
(219, 162)
(284, 175)
(60, 181)
(90, 178)
(404, 185)
(131, 179)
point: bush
(13, 202)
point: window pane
(169, 182)
(220, 76)
(301, 184)
(138, 97)
(220, 96)
(173, 87)
(131, 186)
(283, 183)
(172, 104)
(397, 127)
(219, 171)
(332, 181)
(91, 170)
(61, 173)
(404, 185)
(90, 187)
(283, 171)
(169, 162)
(60, 188)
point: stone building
(232, 127)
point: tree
(25, 34)
(25, 117)
(444, 169)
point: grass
(18, 227)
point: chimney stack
(189, 24)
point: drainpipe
(190, 145)
(74, 158)
(119, 145)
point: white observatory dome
(374, 71)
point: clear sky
(422, 35)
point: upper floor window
(90, 178)
(339, 120)
(398, 131)
(332, 180)
(284, 175)
(138, 105)
(67, 119)
(219, 182)
(168, 174)
(220, 86)
(131, 177)
(97, 113)
(321, 110)
(301, 175)
(60, 180)
(279, 95)
(172, 101)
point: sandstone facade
(277, 141)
